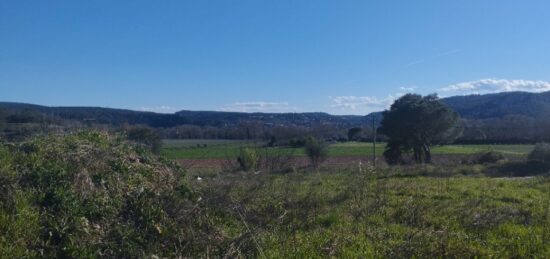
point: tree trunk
(427, 154)
(417, 155)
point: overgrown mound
(90, 194)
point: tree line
(507, 129)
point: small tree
(415, 123)
(248, 159)
(146, 136)
(316, 150)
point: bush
(296, 143)
(146, 136)
(489, 157)
(540, 153)
(266, 159)
(90, 195)
(316, 150)
(247, 159)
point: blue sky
(341, 57)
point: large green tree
(354, 133)
(414, 123)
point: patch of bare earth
(340, 162)
(217, 164)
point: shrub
(275, 160)
(247, 159)
(146, 136)
(296, 143)
(489, 157)
(90, 194)
(316, 150)
(270, 160)
(540, 153)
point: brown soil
(332, 162)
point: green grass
(90, 195)
(169, 143)
(470, 149)
(219, 149)
(351, 214)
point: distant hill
(211, 118)
(474, 107)
(508, 117)
(533, 105)
(99, 115)
(199, 118)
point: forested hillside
(502, 117)
(533, 105)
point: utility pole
(373, 143)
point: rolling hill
(473, 107)
(532, 105)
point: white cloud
(361, 104)
(159, 109)
(407, 88)
(493, 85)
(260, 107)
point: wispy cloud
(407, 88)
(448, 53)
(260, 107)
(159, 109)
(361, 104)
(493, 85)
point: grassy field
(394, 213)
(449, 210)
(196, 149)
(94, 195)
(190, 143)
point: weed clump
(247, 159)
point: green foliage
(489, 157)
(2, 118)
(248, 159)
(221, 149)
(146, 136)
(390, 213)
(25, 116)
(394, 153)
(415, 123)
(354, 133)
(540, 153)
(316, 150)
(90, 194)
(297, 143)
